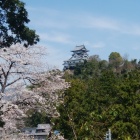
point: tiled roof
(79, 48)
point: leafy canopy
(100, 98)
(13, 21)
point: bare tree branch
(12, 82)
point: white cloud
(136, 47)
(43, 10)
(131, 29)
(94, 45)
(98, 45)
(47, 18)
(122, 27)
(53, 19)
(62, 30)
(99, 22)
(50, 18)
(49, 23)
(54, 57)
(55, 37)
(110, 24)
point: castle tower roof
(79, 48)
(79, 56)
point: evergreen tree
(100, 98)
(13, 20)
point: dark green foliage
(115, 61)
(91, 68)
(1, 123)
(34, 118)
(100, 98)
(13, 20)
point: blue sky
(103, 26)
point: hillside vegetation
(103, 95)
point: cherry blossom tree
(45, 97)
(26, 82)
(18, 63)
